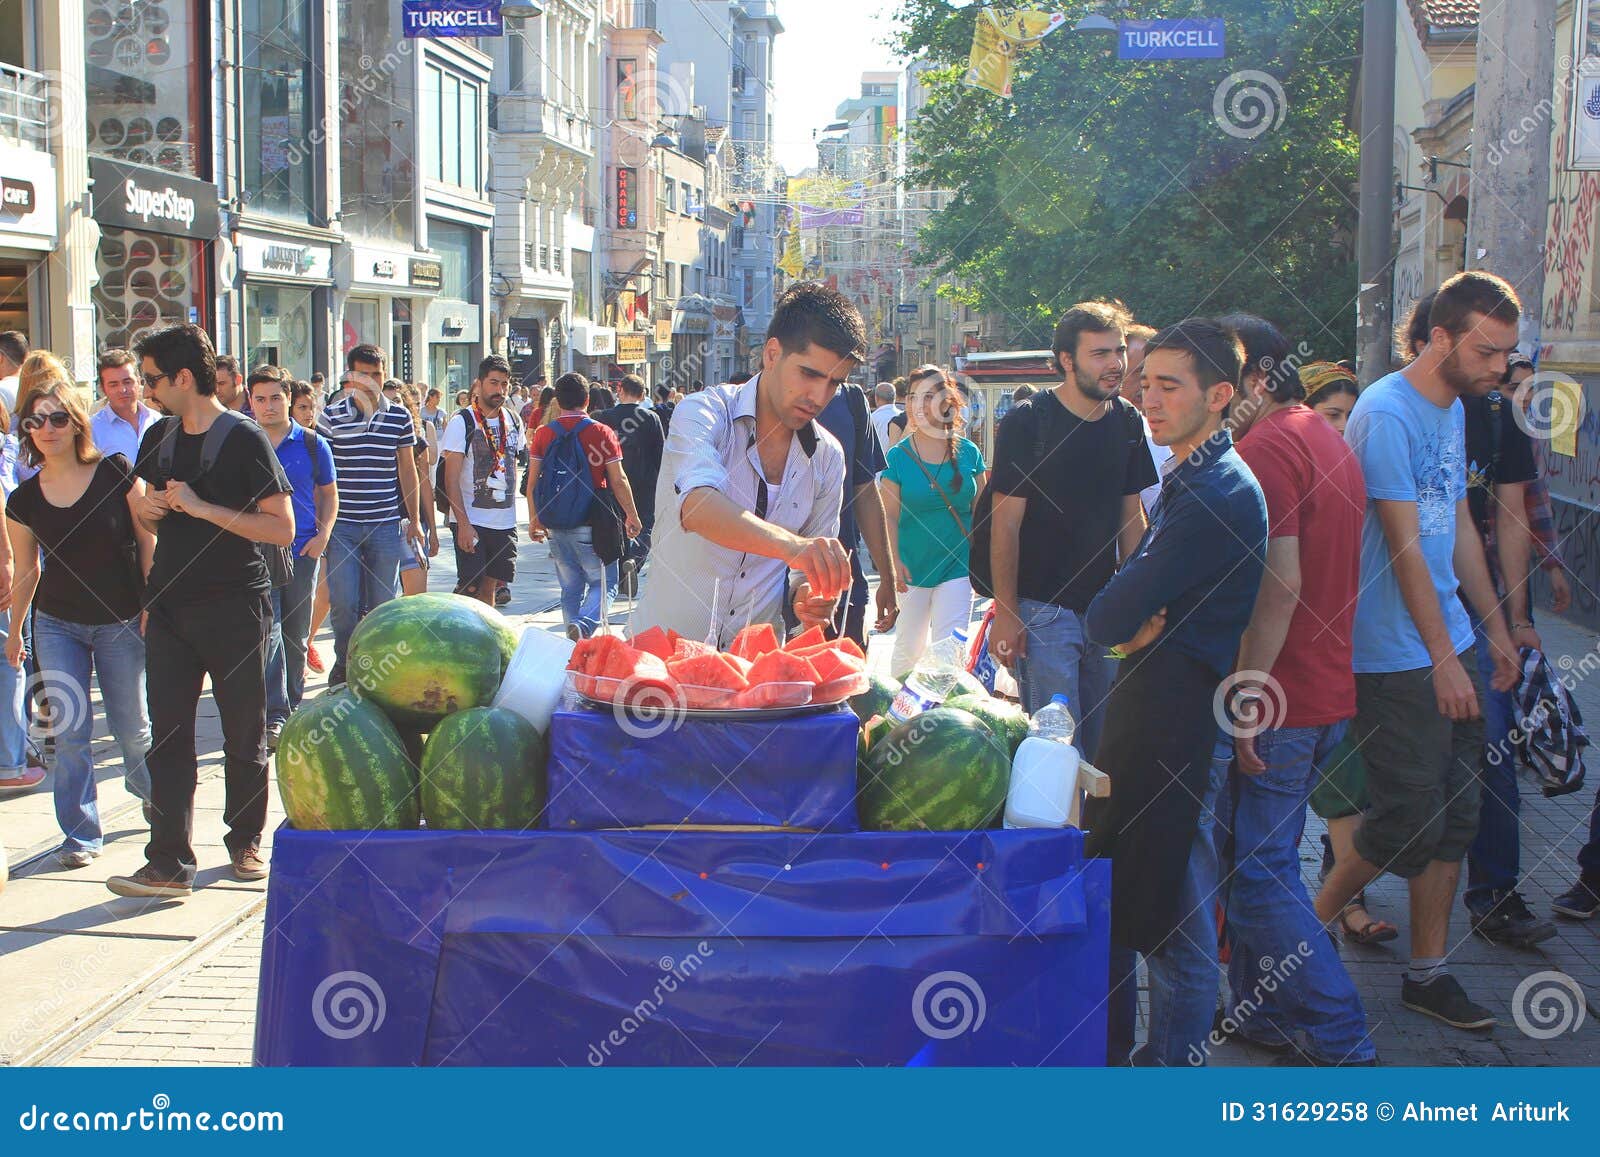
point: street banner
(996, 41)
(443, 19)
(819, 202)
(1171, 40)
(793, 260)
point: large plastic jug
(536, 677)
(1044, 775)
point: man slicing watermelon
(747, 502)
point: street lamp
(519, 10)
(1097, 21)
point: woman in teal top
(932, 480)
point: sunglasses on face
(59, 420)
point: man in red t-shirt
(1294, 695)
(588, 583)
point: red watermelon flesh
(611, 658)
(656, 641)
(708, 671)
(842, 646)
(835, 663)
(813, 637)
(741, 663)
(782, 667)
(582, 654)
(687, 649)
(760, 696)
(754, 641)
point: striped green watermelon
(484, 769)
(1005, 719)
(506, 633)
(940, 771)
(427, 656)
(342, 766)
(876, 699)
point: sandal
(1373, 932)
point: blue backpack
(565, 490)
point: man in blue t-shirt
(1419, 721)
(308, 462)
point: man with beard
(480, 447)
(1069, 464)
(1419, 696)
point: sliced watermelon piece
(611, 658)
(742, 664)
(583, 653)
(656, 641)
(763, 696)
(840, 689)
(782, 667)
(835, 663)
(809, 638)
(688, 648)
(708, 671)
(754, 641)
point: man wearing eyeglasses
(207, 599)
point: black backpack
(441, 498)
(278, 559)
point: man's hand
(632, 527)
(1147, 634)
(1507, 659)
(1008, 639)
(1560, 590)
(813, 610)
(888, 605)
(317, 545)
(826, 566)
(467, 538)
(153, 505)
(536, 532)
(902, 579)
(433, 540)
(1453, 692)
(1526, 637)
(182, 498)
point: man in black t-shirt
(1500, 464)
(1068, 467)
(640, 431)
(207, 598)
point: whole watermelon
(341, 766)
(1006, 720)
(485, 769)
(505, 632)
(940, 771)
(424, 657)
(876, 699)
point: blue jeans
(1287, 981)
(286, 646)
(1061, 660)
(1494, 862)
(585, 581)
(67, 653)
(363, 572)
(13, 728)
(1184, 973)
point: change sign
(1171, 40)
(439, 19)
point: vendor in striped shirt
(371, 439)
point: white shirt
(713, 443)
(1160, 455)
(8, 392)
(116, 435)
(880, 418)
(488, 490)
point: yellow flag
(793, 262)
(996, 41)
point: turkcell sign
(1171, 40)
(439, 19)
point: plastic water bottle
(1044, 772)
(931, 680)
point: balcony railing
(24, 107)
(544, 257)
(528, 251)
(559, 260)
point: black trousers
(227, 640)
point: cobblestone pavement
(204, 1014)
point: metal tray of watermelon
(763, 701)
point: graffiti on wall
(1569, 240)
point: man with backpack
(642, 437)
(216, 491)
(308, 464)
(480, 447)
(1069, 464)
(575, 483)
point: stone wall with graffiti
(1575, 491)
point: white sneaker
(77, 858)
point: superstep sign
(1170, 40)
(439, 19)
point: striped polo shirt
(364, 452)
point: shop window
(277, 323)
(456, 246)
(377, 122)
(280, 152)
(452, 128)
(582, 275)
(146, 280)
(141, 103)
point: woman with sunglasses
(76, 513)
(933, 478)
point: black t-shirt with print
(198, 561)
(1074, 492)
(1487, 467)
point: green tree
(1111, 178)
